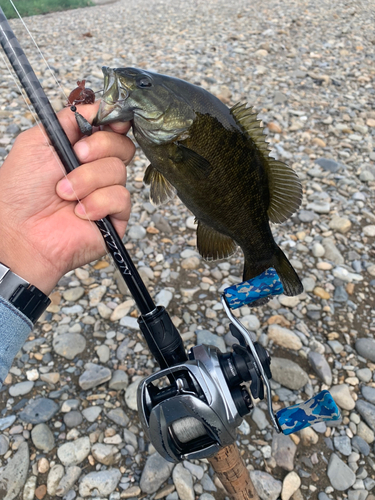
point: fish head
(159, 113)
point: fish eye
(144, 82)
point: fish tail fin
(289, 278)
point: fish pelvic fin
(213, 245)
(284, 186)
(288, 277)
(161, 190)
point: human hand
(45, 231)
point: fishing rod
(196, 415)
(164, 341)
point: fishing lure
(81, 95)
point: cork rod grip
(232, 472)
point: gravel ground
(67, 412)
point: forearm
(14, 330)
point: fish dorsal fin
(213, 245)
(161, 190)
(284, 186)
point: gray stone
(365, 432)
(74, 452)
(321, 367)
(288, 373)
(93, 376)
(68, 480)
(119, 417)
(106, 454)
(131, 395)
(339, 474)
(6, 422)
(73, 419)
(155, 472)
(130, 438)
(68, 345)
(42, 438)
(364, 374)
(123, 349)
(4, 444)
(331, 251)
(21, 388)
(266, 486)
(136, 232)
(357, 494)
(341, 395)
(328, 164)
(73, 294)
(14, 474)
(259, 418)
(103, 353)
(91, 413)
(55, 475)
(29, 488)
(360, 445)
(208, 338)
(119, 380)
(342, 444)
(163, 298)
(283, 451)
(196, 470)
(101, 483)
(368, 393)
(366, 348)
(207, 483)
(367, 410)
(39, 410)
(307, 215)
(183, 481)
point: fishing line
(46, 119)
(37, 46)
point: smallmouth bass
(215, 159)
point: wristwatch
(28, 299)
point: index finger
(88, 111)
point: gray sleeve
(14, 330)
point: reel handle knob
(320, 408)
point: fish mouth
(112, 108)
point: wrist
(31, 269)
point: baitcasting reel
(192, 409)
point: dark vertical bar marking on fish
(64, 150)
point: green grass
(34, 7)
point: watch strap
(30, 301)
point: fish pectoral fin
(196, 164)
(161, 190)
(213, 245)
(283, 183)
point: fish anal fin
(161, 190)
(196, 164)
(284, 186)
(213, 245)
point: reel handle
(232, 472)
(320, 408)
